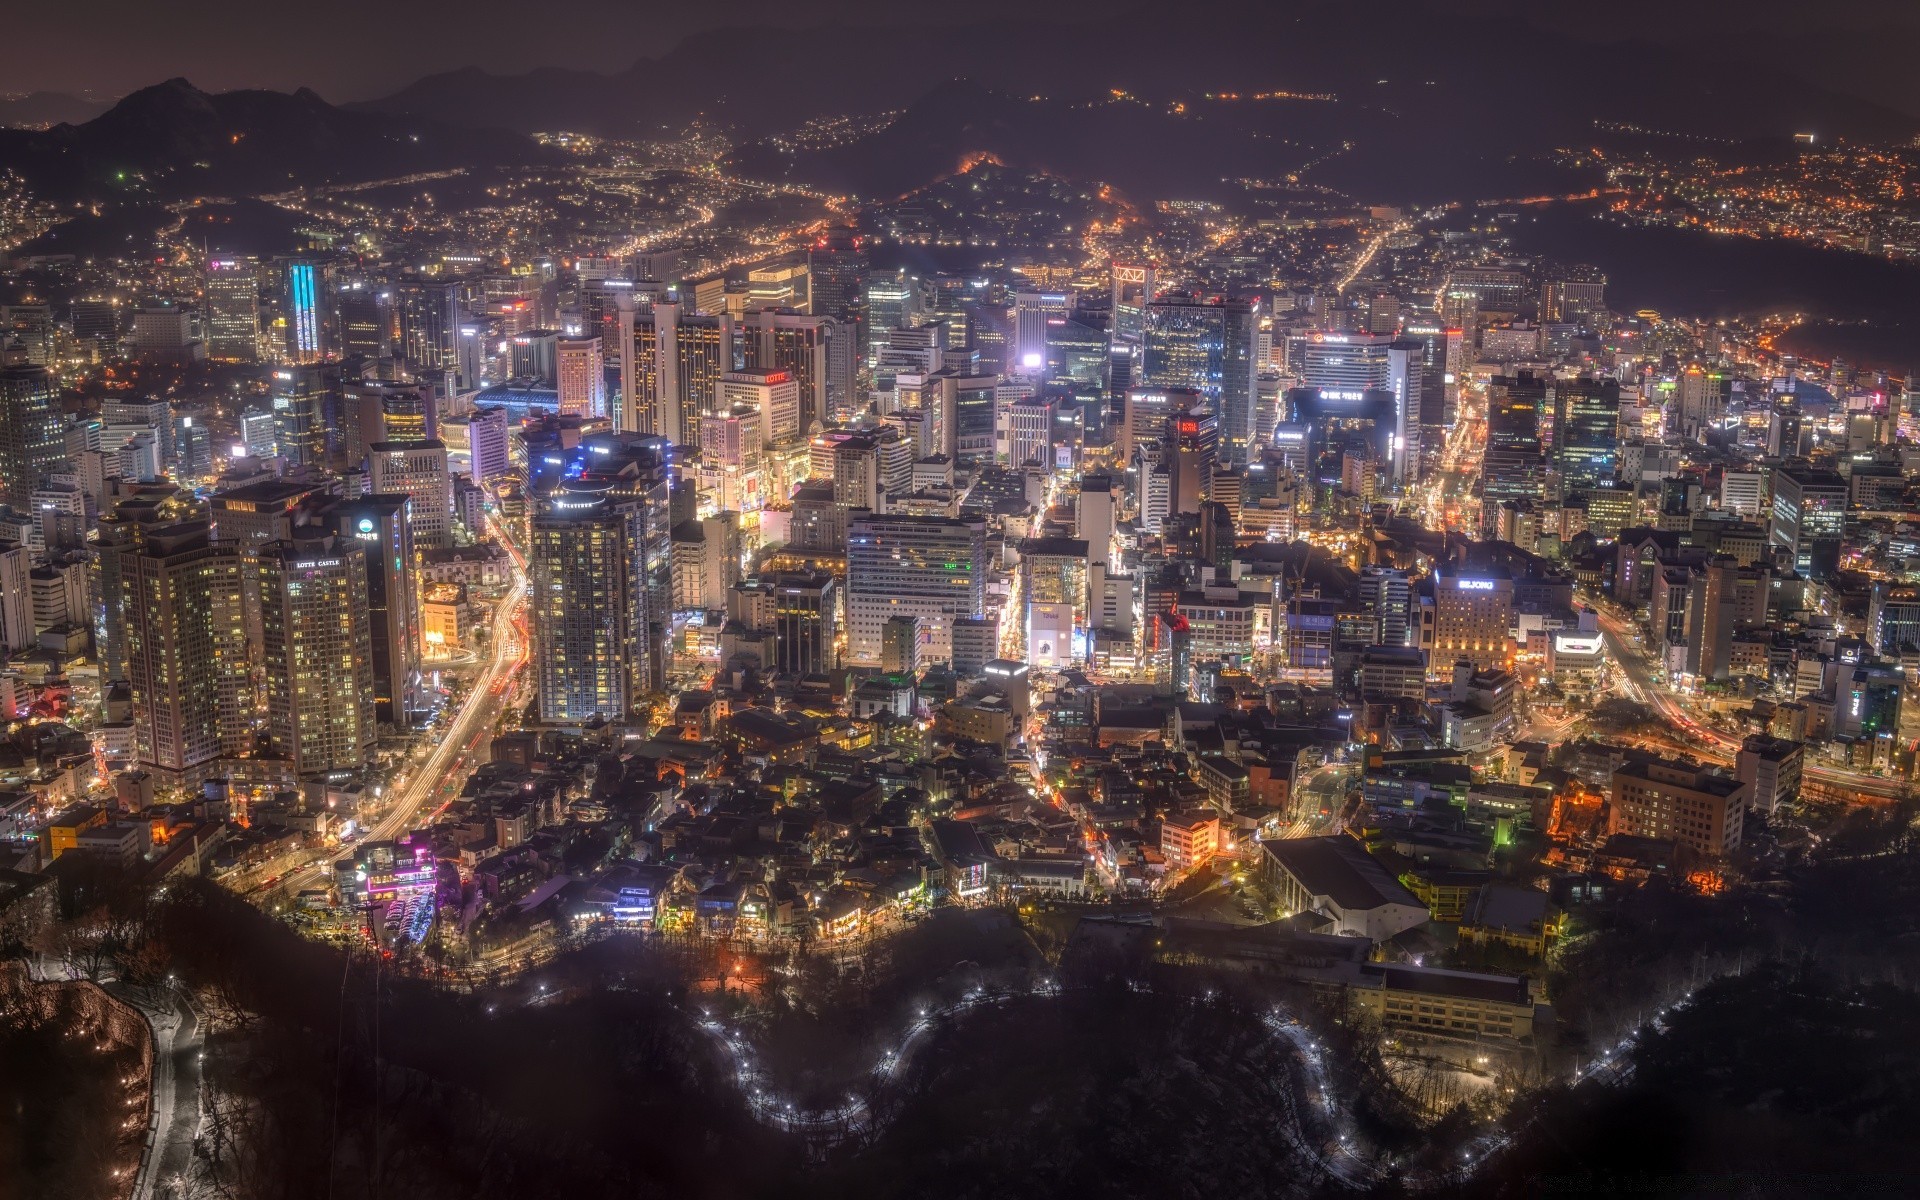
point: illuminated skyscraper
(32, 438)
(233, 309)
(1586, 433)
(673, 376)
(587, 620)
(931, 568)
(800, 345)
(380, 524)
(306, 321)
(581, 377)
(1031, 311)
(316, 651)
(892, 302)
(417, 469)
(1191, 343)
(184, 640)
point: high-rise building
(1031, 311)
(1472, 619)
(1809, 518)
(673, 375)
(1512, 463)
(932, 568)
(581, 377)
(306, 289)
(183, 638)
(802, 346)
(892, 302)
(1132, 292)
(1207, 346)
(364, 313)
(32, 440)
(416, 469)
(302, 396)
(316, 651)
(773, 394)
(233, 309)
(837, 267)
(1586, 433)
(380, 524)
(1700, 400)
(429, 313)
(806, 622)
(588, 617)
(706, 561)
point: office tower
(900, 646)
(306, 322)
(806, 622)
(364, 313)
(706, 561)
(301, 397)
(800, 345)
(1472, 619)
(588, 621)
(1499, 293)
(780, 285)
(1192, 449)
(731, 438)
(377, 411)
(1893, 619)
(774, 396)
(1579, 298)
(1700, 400)
(97, 323)
(892, 302)
(418, 469)
(233, 309)
(1053, 581)
(1387, 596)
(257, 433)
(1511, 467)
(164, 332)
(534, 355)
(962, 411)
(1586, 433)
(32, 439)
(119, 533)
(581, 377)
(184, 639)
(429, 318)
(1208, 347)
(837, 267)
(1077, 359)
(1094, 514)
(379, 524)
(1132, 292)
(1382, 313)
(316, 651)
(932, 568)
(1809, 518)
(1031, 311)
(1031, 431)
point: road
(1707, 742)
(437, 781)
(177, 1042)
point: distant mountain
(39, 109)
(173, 140)
(1427, 108)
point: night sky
(362, 49)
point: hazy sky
(360, 49)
